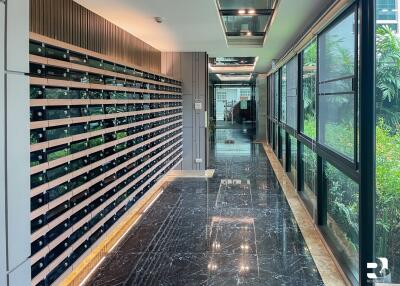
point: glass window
(275, 138)
(308, 176)
(388, 144)
(386, 9)
(271, 96)
(276, 94)
(291, 100)
(282, 138)
(293, 160)
(336, 88)
(283, 94)
(392, 27)
(308, 124)
(342, 218)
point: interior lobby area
(199, 143)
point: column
(14, 144)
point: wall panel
(14, 135)
(192, 69)
(69, 22)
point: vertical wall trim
(3, 245)
(367, 137)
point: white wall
(14, 143)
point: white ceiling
(194, 25)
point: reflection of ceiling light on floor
(244, 247)
(216, 245)
(244, 268)
(212, 266)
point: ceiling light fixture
(251, 11)
(241, 11)
(248, 34)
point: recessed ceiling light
(241, 11)
(252, 11)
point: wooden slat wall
(69, 22)
(171, 64)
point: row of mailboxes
(53, 153)
(52, 133)
(43, 50)
(48, 92)
(85, 210)
(59, 73)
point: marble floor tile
(235, 228)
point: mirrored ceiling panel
(245, 4)
(242, 25)
(235, 69)
(232, 61)
(234, 77)
(246, 22)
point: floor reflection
(233, 229)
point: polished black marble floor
(233, 229)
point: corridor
(233, 229)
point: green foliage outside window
(343, 204)
(388, 148)
(308, 89)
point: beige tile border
(327, 266)
(209, 173)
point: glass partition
(276, 140)
(282, 144)
(291, 99)
(337, 110)
(292, 160)
(342, 217)
(283, 94)
(308, 124)
(308, 177)
(326, 143)
(276, 94)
